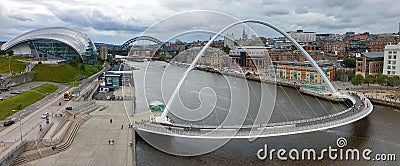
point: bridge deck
(362, 108)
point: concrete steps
(19, 161)
(47, 151)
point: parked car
(1, 99)
(103, 90)
(44, 115)
(8, 122)
(68, 108)
(16, 92)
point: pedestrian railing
(6, 158)
(60, 124)
(283, 128)
(45, 130)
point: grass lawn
(25, 99)
(65, 73)
(46, 88)
(16, 66)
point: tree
(2, 52)
(357, 80)
(83, 67)
(226, 49)
(10, 53)
(292, 47)
(73, 63)
(394, 81)
(349, 62)
(382, 80)
(370, 79)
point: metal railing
(45, 130)
(292, 127)
(12, 154)
(60, 125)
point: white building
(256, 56)
(391, 60)
(303, 37)
(229, 40)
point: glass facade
(46, 48)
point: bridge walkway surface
(362, 108)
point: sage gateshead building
(54, 43)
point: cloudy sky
(117, 21)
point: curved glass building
(54, 42)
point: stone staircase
(35, 154)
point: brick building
(370, 63)
(304, 72)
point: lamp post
(9, 64)
(20, 128)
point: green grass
(16, 66)
(24, 100)
(46, 88)
(74, 84)
(65, 73)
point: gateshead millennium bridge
(359, 108)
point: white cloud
(116, 21)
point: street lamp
(20, 128)
(9, 64)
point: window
(394, 62)
(393, 67)
(394, 57)
(394, 52)
(390, 57)
(389, 62)
(388, 72)
(390, 52)
(388, 67)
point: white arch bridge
(360, 108)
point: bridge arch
(149, 38)
(163, 116)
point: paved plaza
(91, 145)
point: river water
(378, 132)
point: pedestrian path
(61, 131)
(91, 144)
(53, 128)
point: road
(344, 85)
(28, 127)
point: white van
(104, 90)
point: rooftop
(373, 54)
